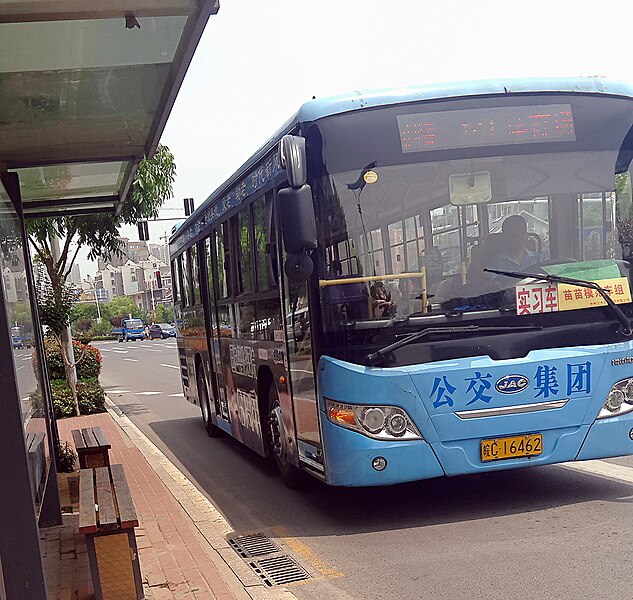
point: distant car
(16, 337)
(162, 331)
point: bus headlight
(619, 400)
(378, 422)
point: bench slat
(127, 512)
(78, 439)
(87, 513)
(105, 501)
(102, 440)
(89, 437)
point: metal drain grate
(279, 570)
(256, 544)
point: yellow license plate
(516, 446)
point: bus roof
(318, 108)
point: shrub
(90, 396)
(67, 458)
(87, 360)
(62, 399)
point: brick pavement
(177, 561)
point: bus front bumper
(351, 463)
(608, 437)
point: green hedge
(87, 360)
(90, 396)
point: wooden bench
(92, 447)
(107, 518)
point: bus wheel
(212, 429)
(290, 475)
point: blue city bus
(419, 282)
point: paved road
(549, 532)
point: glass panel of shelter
(20, 308)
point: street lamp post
(94, 287)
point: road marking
(147, 393)
(599, 467)
(27, 358)
(153, 350)
(131, 359)
(181, 395)
(120, 351)
(170, 366)
(118, 391)
(22, 367)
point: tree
(83, 310)
(52, 237)
(163, 314)
(121, 307)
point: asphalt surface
(548, 532)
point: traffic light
(143, 231)
(159, 281)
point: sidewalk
(181, 537)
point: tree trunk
(68, 356)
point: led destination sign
(486, 127)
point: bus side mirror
(298, 223)
(292, 156)
(298, 230)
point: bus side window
(243, 243)
(175, 281)
(195, 276)
(223, 257)
(183, 270)
(265, 242)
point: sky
(258, 62)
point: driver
(514, 255)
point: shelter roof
(86, 87)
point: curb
(205, 517)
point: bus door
(213, 245)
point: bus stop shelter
(86, 88)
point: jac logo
(511, 384)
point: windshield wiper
(412, 337)
(615, 309)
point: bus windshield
(414, 232)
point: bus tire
(203, 395)
(290, 475)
